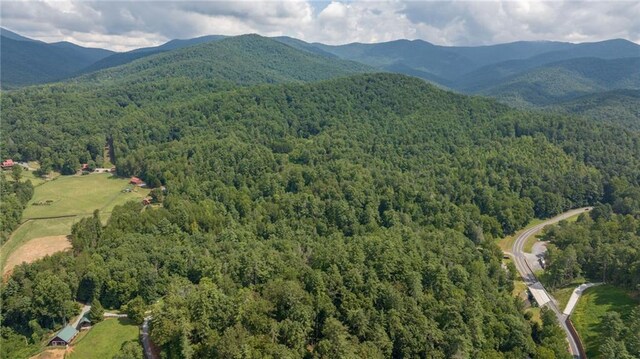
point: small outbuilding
(136, 181)
(84, 323)
(64, 337)
(7, 164)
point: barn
(64, 337)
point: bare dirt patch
(35, 249)
(57, 353)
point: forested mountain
(618, 106)
(566, 80)
(454, 63)
(122, 58)
(347, 218)
(24, 61)
(246, 59)
(525, 74)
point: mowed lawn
(80, 195)
(105, 339)
(593, 304)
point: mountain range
(24, 61)
(306, 207)
(536, 74)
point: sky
(126, 25)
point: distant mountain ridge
(565, 80)
(523, 73)
(122, 58)
(24, 61)
(239, 60)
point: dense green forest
(590, 79)
(566, 80)
(603, 246)
(618, 106)
(14, 194)
(245, 59)
(347, 218)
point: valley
(265, 196)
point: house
(85, 167)
(7, 164)
(84, 323)
(136, 181)
(64, 337)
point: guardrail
(575, 334)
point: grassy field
(35, 229)
(75, 196)
(104, 340)
(80, 195)
(593, 304)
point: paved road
(146, 342)
(535, 287)
(114, 315)
(575, 296)
(85, 310)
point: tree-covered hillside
(538, 74)
(24, 61)
(243, 60)
(566, 80)
(122, 58)
(617, 106)
(348, 218)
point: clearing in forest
(105, 339)
(592, 305)
(36, 249)
(80, 195)
(57, 204)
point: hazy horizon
(124, 26)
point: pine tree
(96, 313)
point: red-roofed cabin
(85, 166)
(7, 163)
(136, 181)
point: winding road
(536, 288)
(146, 342)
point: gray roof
(84, 320)
(67, 333)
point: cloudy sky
(125, 25)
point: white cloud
(124, 25)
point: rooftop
(67, 333)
